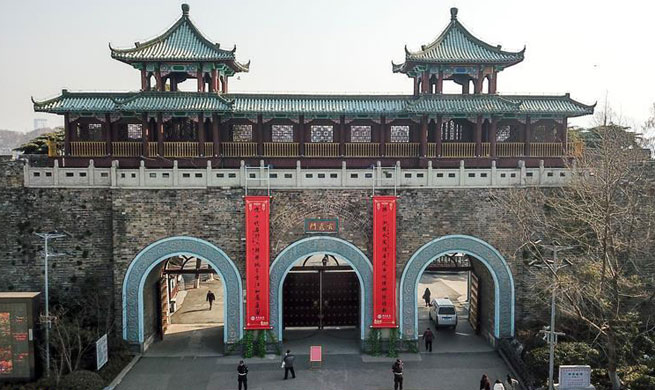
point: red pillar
(563, 130)
(201, 134)
(144, 78)
(416, 89)
(225, 84)
(201, 84)
(216, 134)
(160, 134)
(492, 82)
(425, 82)
(158, 79)
(214, 84)
(301, 135)
(383, 135)
(478, 136)
(342, 135)
(67, 135)
(477, 85)
(260, 135)
(438, 135)
(440, 82)
(492, 137)
(465, 88)
(106, 126)
(424, 136)
(527, 134)
(144, 134)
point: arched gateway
(482, 251)
(314, 246)
(157, 252)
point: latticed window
(242, 133)
(360, 133)
(399, 133)
(543, 133)
(451, 131)
(503, 133)
(95, 131)
(320, 133)
(134, 130)
(282, 133)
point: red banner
(257, 258)
(384, 261)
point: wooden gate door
(474, 304)
(340, 298)
(163, 301)
(301, 299)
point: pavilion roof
(312, 105)
(456, 45)
(181, 42)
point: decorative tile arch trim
(157, 252)
(321, 245)
(482, 251)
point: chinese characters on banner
(384, 261)
(257, 256)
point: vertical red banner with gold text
(257, 257)
(384, 261)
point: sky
(593, 49)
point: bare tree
(607, 213)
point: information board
(102, 352)
(14, 341)
(574, 377)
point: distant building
(40, 123)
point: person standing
(498, 385)
(242, 375)
(210, 298)
(428, 336)
(512, 383)
(397, 370)
(426, 297)
(484, 383)
(287, 364)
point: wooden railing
(209, 149)
(152, 149)
(362, 149)
(546, 149)
(509, 149)
(126, 149)
(458, 149)
(280, 149)
(180, 149)
(239, 149)
(432, 150)
(402, 149)
(322, 149)
(88, 149)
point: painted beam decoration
(257, 257)
(384, 261)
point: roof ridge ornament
(185, 9)
(453, 13)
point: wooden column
(173, 83)
(492, 137)
(67, 135)
(260, 135)
(201, 134)
(416, 90)
(425, 82)
(201, 84)
(214, 84)
(106, 127)
(160, 134)
(144, 134)
(144, 78)
(527, 135)
(563, 133)
(478, 136)
(440, 82)
(424, 136)
(438, 135)
(216, 134)
(383, 135)
(225, 84)
(465, 87)
(492, 82)
(301, 135)
(159, 81)
(342, 135)
(477, 85)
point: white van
(442, 312)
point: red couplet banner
(257, 257)
(384, 261)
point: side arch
(161, 250)
(482, 251)
(321, 245)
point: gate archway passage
(482, 251)
(157, 252)
(315, 246)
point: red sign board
(257, 257)
(315, 352)
(384, 261)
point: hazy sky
(588, 48)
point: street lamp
(48, 236)
(550, 335)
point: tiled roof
(456, 45)
(181, 42)
(249, 104)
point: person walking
(242, 375)
(397, 370)
(512, 383)
(426, 297)
(428, 336)
(210, 298)
(287, 364)
(498, 385)
(484, 383)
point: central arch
(482, 251)
(157, 252)
(321, 245)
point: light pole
(47, 236)
(551, 336)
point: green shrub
(565, 353)
(393, 343)
(81, 380)
(643, 382)
(248, 344)
(260, 346)
(373, 342)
